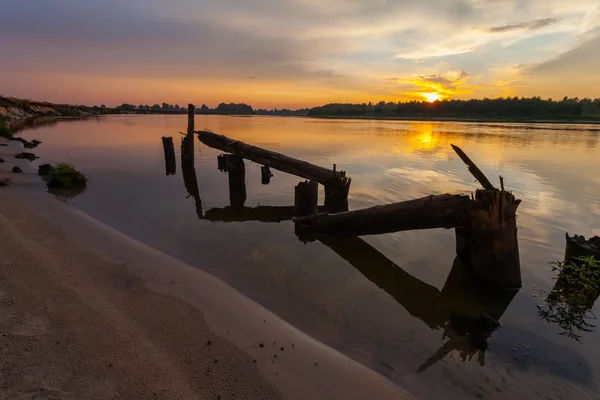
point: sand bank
(87, 312)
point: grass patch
(5, 131)
(570, 302)
(65, 176)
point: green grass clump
(64, 176)
(5, 131)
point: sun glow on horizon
(432, 97)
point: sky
(297, 53)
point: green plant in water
(64, 176)
(5, 130)
(576, 290)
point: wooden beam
(473, 169)
(269, 158)
(441, 211)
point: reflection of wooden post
(306, 198)
(463, 247)
(266, 175)
(237, 182)
(224, 161)
(492, 226)
(169, 149)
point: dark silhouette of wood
(266, 175)
(306, 198)
(336, 193)
(190, 127)
(237, 182)
(224, 161)
(189, 172)
(441, 211)
(169, 150)
(487, 241)
(577, 246)
(473, 169)
(492, 226)
(268, 158)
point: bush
(64, 176)
(5, 130)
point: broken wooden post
(269, 158)
(169, 150)
(191, 111)
(237, 182)
(577, 246)
(492, 226)
(485, 182)
(266, 175)
(306, 196)
(336, 192)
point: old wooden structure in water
(484, 223)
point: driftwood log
(268, 158)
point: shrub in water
(64, 176)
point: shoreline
(458, 119)
(304, 369)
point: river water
(397, 303)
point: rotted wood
(492, 231)
(268, 158)
(474, 169)
(266, 175)
(577, 246)
(441, 211)
(169, 150)
(306, 198)
(336, 192)
(237, 182)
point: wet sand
(86, 312)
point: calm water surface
(396, 303)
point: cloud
(530, 26)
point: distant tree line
(500, 108)
(285, 112)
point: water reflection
(463, 309)
(67, 194)
(189, 172)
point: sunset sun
(432, 97)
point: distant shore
(458, 119)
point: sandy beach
(86, 312)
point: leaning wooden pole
(270, 158)
(441, 211)
(485, 182)
(169, 151)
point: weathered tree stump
(492, 226)
(306, 198)
(237, 182)
(169, 150)
(577, 246)
(266, 175)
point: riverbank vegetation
(534, 108)
(65, 176)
